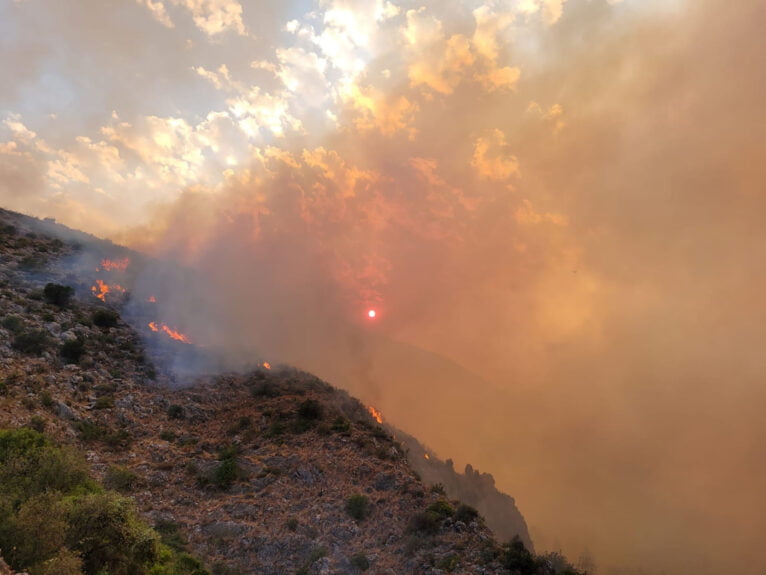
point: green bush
(71, 351)
(341, 425)
(441, 508)
(13, 323)
(105, 530)
(516, 557)
(170, 534)
(466, 513)
(438, 488)
(425, 522)
(31, 342)
(92, 431)
(227, 471)
(358, 506)
(429, 522)
(57, 294)
(360, 561)
(105, 318)
(54, 520)
(120, 478)
(37, 423)
(310, 410)
(448, 562)
(176, 412)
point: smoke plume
(554, 207)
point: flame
(376, 415)
(152, 299)
(266, 365)
(115, 265)
(101, 289)
(170, 332)
(426, 456)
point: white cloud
(158, 10)
(213, 17)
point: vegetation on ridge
(55, 520)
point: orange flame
(376, 415)
(101, 289)
(426, 456)
(115, 265)
(267, 365)
(170, 332)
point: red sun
(371, 313)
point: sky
(555, 205)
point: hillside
(269, 471)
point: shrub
(360, 561)
(33, 262)
(292, 524)
(341, 425)
(425, 522)
(438, 488)
(104, 402)
(466, 513)
(105, 530)
(71, 351)
(168, 435)
(120, 478)
(176, 412)
(58, 294)
(242, 424)
(37, 423)
(310, 410)
(13, 323)
(358, 506)
(31, 342)
(46, 399)
(223, 569)
(105, 318)
(171, 535)
(227, 471)
(516, 557)
(91, 431)
(54, 520)
(441, 508)
(448, 562)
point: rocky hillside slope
(271, 472)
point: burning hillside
(268, 470)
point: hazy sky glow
(566, 197)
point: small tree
(358, 506)
(58, 294)
(105, 318)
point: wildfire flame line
(115, 265)
(101, 289)
(170, 332)
(376, 415)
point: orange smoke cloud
(559, 202)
